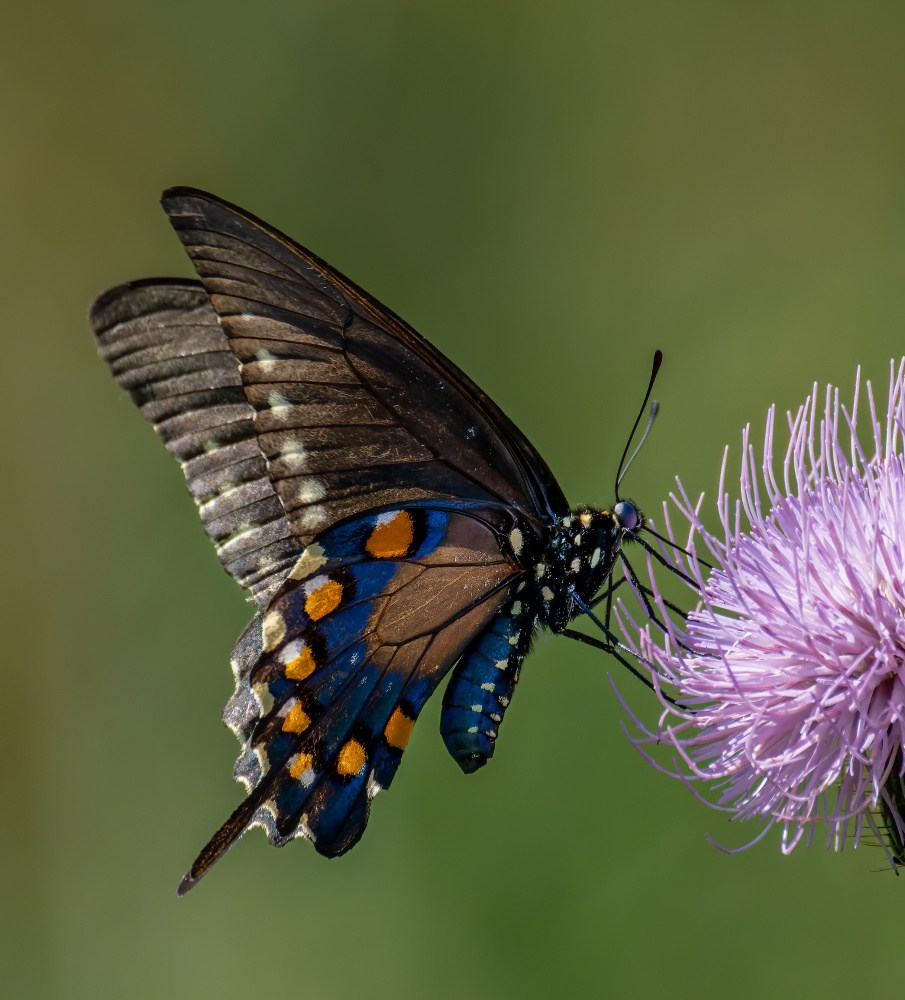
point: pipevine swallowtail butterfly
(385, 516)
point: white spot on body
(516, 541)
(488, 687)
(291, 651)
(313, 518)
(282, 414)
(311, 490)
(294, 456)
(501, 664)
(308, 562)
(276, 400)
(273, 628)
(265, 355)
(513, 639)
(577, 539)
(516, 608)
(306, 778)
(477, 709)
(263, 697)
(504, 701)
(575, 565)
(585, 520)
(547, 595)
(313, 586)
(539, 571)
(595, 558)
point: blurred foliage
(549, 193)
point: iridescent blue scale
(387, 518)
(482, 684)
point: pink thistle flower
(789, 676)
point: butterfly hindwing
(340, 664)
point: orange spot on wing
(351, 758)
(323, 599)
(301, 666)
(399, 729)
(296, 721)
(302, 764)
(393, 538)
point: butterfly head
(628, 516)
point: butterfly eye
(626, 514)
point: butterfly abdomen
(578, 558)
(481, 686)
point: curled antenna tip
(654, 408)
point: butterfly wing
(343, 406)
(331, 679)
(166, 348)
(353, 409)
(345, 415)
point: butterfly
(387, 519)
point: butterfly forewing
(165, 347)
(391, 419)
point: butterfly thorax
(577, 560)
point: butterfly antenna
(658, 360)
(654, 410)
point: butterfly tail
(322, 791)
(219, 844)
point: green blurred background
(548, 196)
